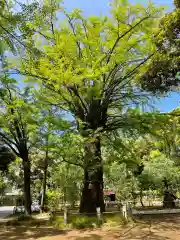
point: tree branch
(74, 32)
(73, 163)
(112, 86)
(11, 147)
(52, 25)
(123, 35)
(3, 136)
(76, 93)
(13, 36)
(14, 136)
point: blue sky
(93, 7)
(101, 6)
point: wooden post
(98, 212)
(129, 210)
(124, 211)
(65, 215)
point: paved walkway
(155, 211)
(5, 211)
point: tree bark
(141, 198)
(27, 182)
(44, 182)
(169, 200)
(92, 193)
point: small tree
(48, 137)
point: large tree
(87, 67)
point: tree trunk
(27, 182)
(43, 196)
(92, 193)
(169, 200)
(141, 198)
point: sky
(95, 7)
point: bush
(53, 199)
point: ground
(166, 227)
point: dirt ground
(165, 227)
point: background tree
(52, 127)
(162, 72)
(18, 124)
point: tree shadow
(153, 227)
(149, 227)
(25, 233)
(142, 235)
(162, 227)
(162, 222)
(133, 233)
(89, 237)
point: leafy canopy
(87, 65)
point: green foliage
(128, 154)
(162, 73)
(157, 169)
(87, 66)
(177, 3)
(77, 222)
(92, 70)
(18, 121)
(85, 222)
(53, 199)
(68, 179)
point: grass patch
(23, 220)
(82, 222)
(111, 219)
(76, 222)
(85, 222)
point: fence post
(129, 210)
(98, 212)
(65, 215)
(124, 211)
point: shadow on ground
(137, 232)
(89, 237)
(149, 227)
(25, 233)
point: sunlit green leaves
(82, 46)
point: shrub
(53, 199)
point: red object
(108, 192)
